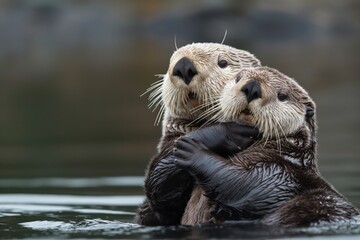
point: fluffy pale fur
(179, 115)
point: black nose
(252, 90)
(185, 70)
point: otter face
(196, 75)
(269, 100)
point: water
(89, 211)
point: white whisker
(223, 40)
(176, 47)
(209, 112)
(214, 109)
(155, 101)
(159, 115)
(207, 103)
(160, 75)
(153, 86)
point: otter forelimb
(237, 191)
(168, 189)
(226, 139)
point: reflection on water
(88, 210)
(86, 225)
(73, 182)
(70, 200)
(86, 215)
(32, 208)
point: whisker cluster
(210, 111)
(271, 126)
(155, 98)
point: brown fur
(197, 209)
(182, 115)
(276, 180)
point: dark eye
(222, 63)
(282, 96)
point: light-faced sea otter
(196, 76)
(275, 180)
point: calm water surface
(87, 210)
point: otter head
(267, 99)
(196, 75)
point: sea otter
(196, 75)
(274, 181)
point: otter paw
(186, 150)
(242, 135)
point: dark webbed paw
(186, 151)
(243, 136)
(226, 138)
(194, 157)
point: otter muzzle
(252, 90)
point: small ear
(309, 112)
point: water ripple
(106, 227)
(127, 181)
(49, 199)
(33, 208)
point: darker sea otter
(196, 76)
(275, 180)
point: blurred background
(71, 73)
